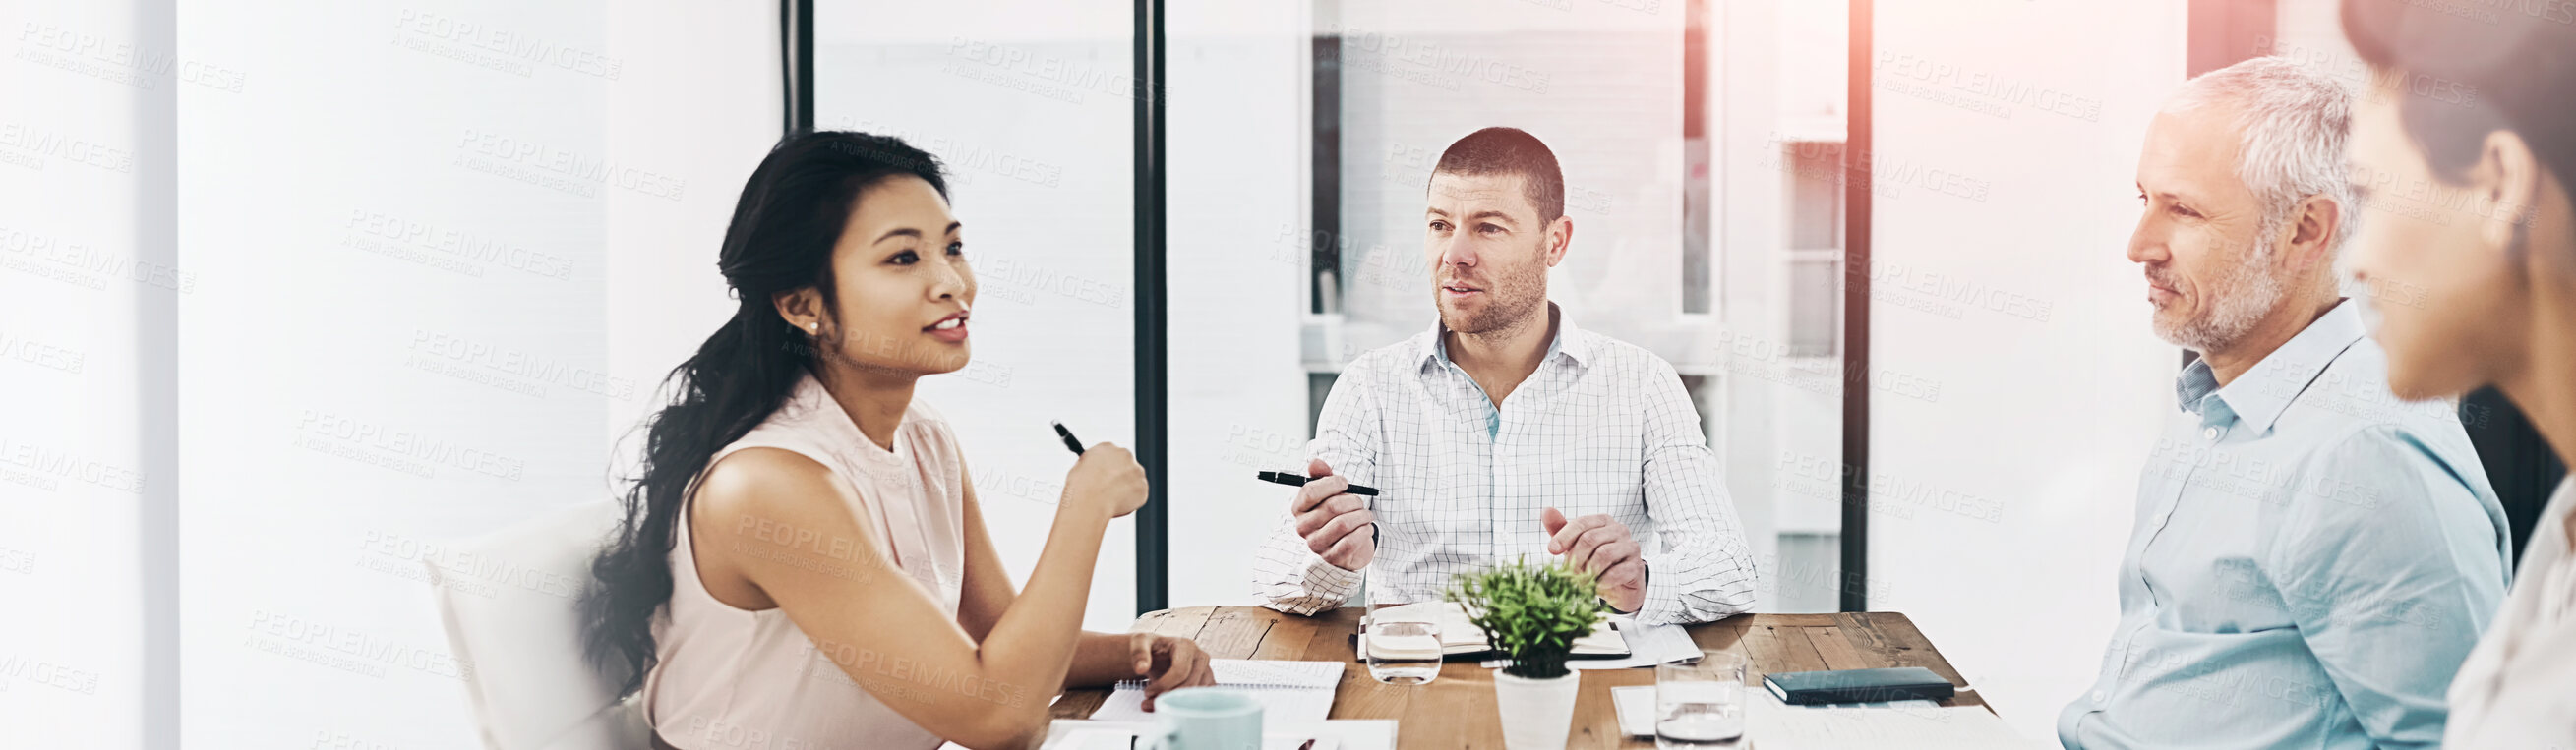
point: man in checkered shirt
(1505, 431)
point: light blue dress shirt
(2311, 561)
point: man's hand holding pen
(1339, 526)
(1336, 524)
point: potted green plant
(1532, 614)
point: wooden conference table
(1457, 710)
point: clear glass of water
(1700, 705)
(1402, 653)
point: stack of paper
(1288, 691)
(1648, 645)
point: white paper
(1079, 734)
(1636, 707)
(1288, 691)
(1277, 673)
(1116, 739)
(1285, 704)
(1648, 645)
(1777, 726)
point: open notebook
(1287, 690)
(1460, 640)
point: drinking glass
(1700, 705)
(1402, 653)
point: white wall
(359, 391)
(301, 131)
(1032, 114)
(1237, 233)
(87, 284)
(1600, 83)
(700, 100)
(2311, 32)
(1778, 78)
(2007, 172)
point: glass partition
(1030, 106)
(1302, 138)
(1699, 142)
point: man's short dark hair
(1498, 151)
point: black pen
(1069, 443)
(1293, 480)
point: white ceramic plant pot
(1537, 714)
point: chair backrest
(2523, 468)
(510, 602)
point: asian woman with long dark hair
(804, 561)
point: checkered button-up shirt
(1603, 426)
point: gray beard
(2236, 304)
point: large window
(1031, 109)
(1300, 138)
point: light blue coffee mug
(1206, 718)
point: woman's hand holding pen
(1337, 525)
(1106, 477)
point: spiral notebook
(1287, 690)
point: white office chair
(511, 609)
